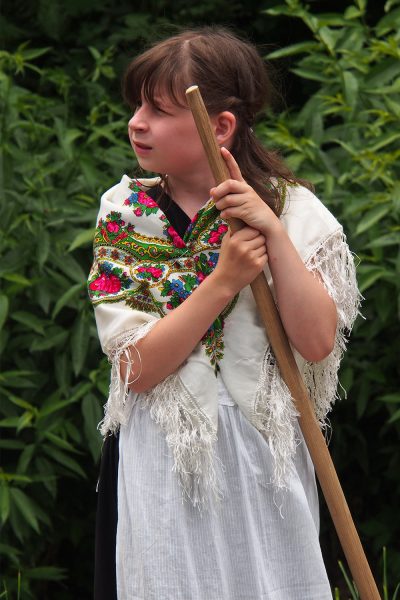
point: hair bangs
(152, 77)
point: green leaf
(83, 238)
(20, 402)
(66, 298)
(30, 320)
(24, 421)
(350, 84)
(313, 75)
(26, 507)
(12, 444)
(25, 458)
(64, 460)
(59, 442)
(352, 12)
(389, 22)
(292, 50)
(4, 502)
(328, 38)
(371, 217)
(43, 248)
(46, 573)
(3, 309)
(52, 407)
(51, 341)
(383, 141)
(68, 265)
(395, 416)
(389, 239)
(92, 414)
(17, 278)
(35, 52)
(390, 398)
(79, 343)
(368, 275)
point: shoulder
(307, 220)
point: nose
(138, 121)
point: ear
(225, 128)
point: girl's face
(165, 139)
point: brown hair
(231, 76)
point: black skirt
(105, 581)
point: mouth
(141, 146)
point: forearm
(176, 335)
(307, 311)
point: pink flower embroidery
(176, 239)
(110, 284)
(200, 276)
(138, 212)
(146, 200)
(156, 273)
(112, 227)
(215, 236)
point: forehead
(154, 77)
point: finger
(229, 187)
(233, 167)
(248, 233)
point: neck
(192, 191)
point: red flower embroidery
(112, 227)
(146, 200)
(156, 273)
(110, 284)
(176, 239)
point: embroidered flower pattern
(205, 264)
(163, 269)
(109, 280)
(150, 273)
(214, 237)
(141, 203)
(112, 227)
(178, 290)
(214, 342)
(176, 238)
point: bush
(345, 139)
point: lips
(141, 146)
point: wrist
(272, 228)
(221, 286)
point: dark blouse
(105, 585)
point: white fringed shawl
(142, 268)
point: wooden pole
(314, 439)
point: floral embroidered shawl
(143, 269)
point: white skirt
(254, 544)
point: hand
(242, 257)
(236, 199)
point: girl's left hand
(236, 199)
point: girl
(216, 497)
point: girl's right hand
(242, 257)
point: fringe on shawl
(190, 435)
(189, 432)
(275, 412)
(334, 263)
(116, 410)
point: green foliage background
(63, 142)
